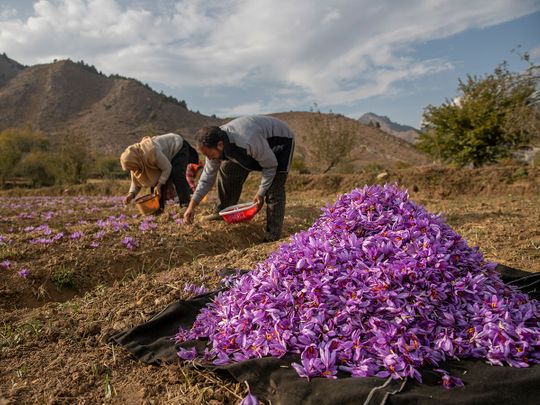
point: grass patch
(65, 277)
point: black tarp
(273, 379)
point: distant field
(93, 265)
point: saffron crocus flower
(194, 290)
(76, 235)
(147, 225)
(130, 243)
(23, 273)
(99, 235)
(447, 380)
(249, 399)
(6, 264)
(58, 236)
(187, 354)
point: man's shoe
(212, 217)
(269, 238)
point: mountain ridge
(405, 132)
(113, 111)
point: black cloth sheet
(272, 379)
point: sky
(238, 57)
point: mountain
(373, 146)
(404, 132)
(110, 111)
(8, 69)
(113, 112)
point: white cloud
(293, 51)
(534, 54)
(244, 109)
(7, 13)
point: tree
(75, 159)
(492, 116)
(40, 167)
(10, 155)
(14, 144)
(331, 140)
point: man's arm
(207, 179)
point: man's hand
(189, 215)
(129, 198)
(259, 200)
(157, 190)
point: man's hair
(209, 136)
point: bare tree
(331, 140)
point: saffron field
(74, 268)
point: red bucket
(239, 213)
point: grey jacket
(254, 142)
(167, 146)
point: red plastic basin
(239, 213)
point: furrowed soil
(91, 281)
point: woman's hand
(157, 190)
(129, 198)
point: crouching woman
(158, 161)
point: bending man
(246, 144)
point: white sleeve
(207, 180)
(164, 165)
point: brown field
(54, 323)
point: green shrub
(536, 160)
(64, 277)
(298, 164)
(400, 164)
(108, 167)
(40, 167)
(520, 173)
(75, 160)
(491, 117)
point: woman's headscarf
(140, 158)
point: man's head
(210, 142)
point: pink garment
(191, 174)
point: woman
(155, 161)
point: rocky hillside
(372, 146)
(112, 112)
(8, 69)
(405, 132)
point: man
(154, 162)
(246, 144)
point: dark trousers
(230, 181)
(178, 177)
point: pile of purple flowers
(377, 286)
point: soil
(53, 346)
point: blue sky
(236, 57)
